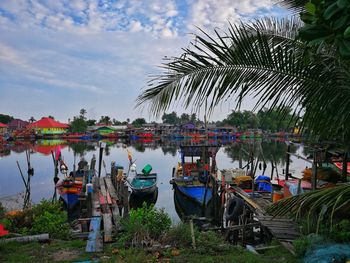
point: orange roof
(2, 125)
(47, 122)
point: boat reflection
(136, 201)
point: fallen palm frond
(321, 206)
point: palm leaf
(262, 59)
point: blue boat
(199, 193)
(193, 176)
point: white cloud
(96, 56)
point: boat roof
(198, 150)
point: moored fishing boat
(144, 183)
(192, 176)
(69, 190)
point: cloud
(96, 54)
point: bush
(179, 236)
(211, 243)
(45, 217)
(145, 224)
(341, 231)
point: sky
(59, 56)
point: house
(3, 128)
(48, 126)
(16, 125)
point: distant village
(185, 126)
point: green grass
(75, 251)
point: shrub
(145, 224)
(341, 231)
(179, 236)
(45, 217)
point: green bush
(341, 231)
(145, 224)
(211, 243)
(45, 217)
(179, 236)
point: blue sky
(57, 57)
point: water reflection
(162, 155)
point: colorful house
(17, 124)
(3, 128)
(48, 126)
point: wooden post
(102, 146)
(240, 162)
(93, 162)
(192, 234)
(287, 163)
(125, 201)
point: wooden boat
(69, 190)
(144, 183)
(192, 176)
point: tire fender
(234, 208)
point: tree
(91, 122)
(170, 118)
(78, 124)
(105, 120)
(116, 122)
(31, 119)
(5, 118)
(51, 117)
(82, 114)
(138, 122)
(184, 118)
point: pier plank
(94, 243)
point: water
(161, 155)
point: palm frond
(294, 5)
(322, 205)
(258, 59)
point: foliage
(262, 59)
(211, 243)
(78, 124)
(304, 243)
(179, 236)
(106, 120)
(91, 122)
(45, 217)
(5, 118)
(170, 118)
(145, 224)
(243, 120)
(326, 23)
(319, 207)
(138, 122)
(341, 231)
(82, 114)
(274, 120)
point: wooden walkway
(283, 229)
(106, 206)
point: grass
(72, 251)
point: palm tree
(267, 60)
(31, 119)
(262, 59)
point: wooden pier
(106, 201)
(283, 229)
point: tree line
(264, 119)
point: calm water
(161, 155)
